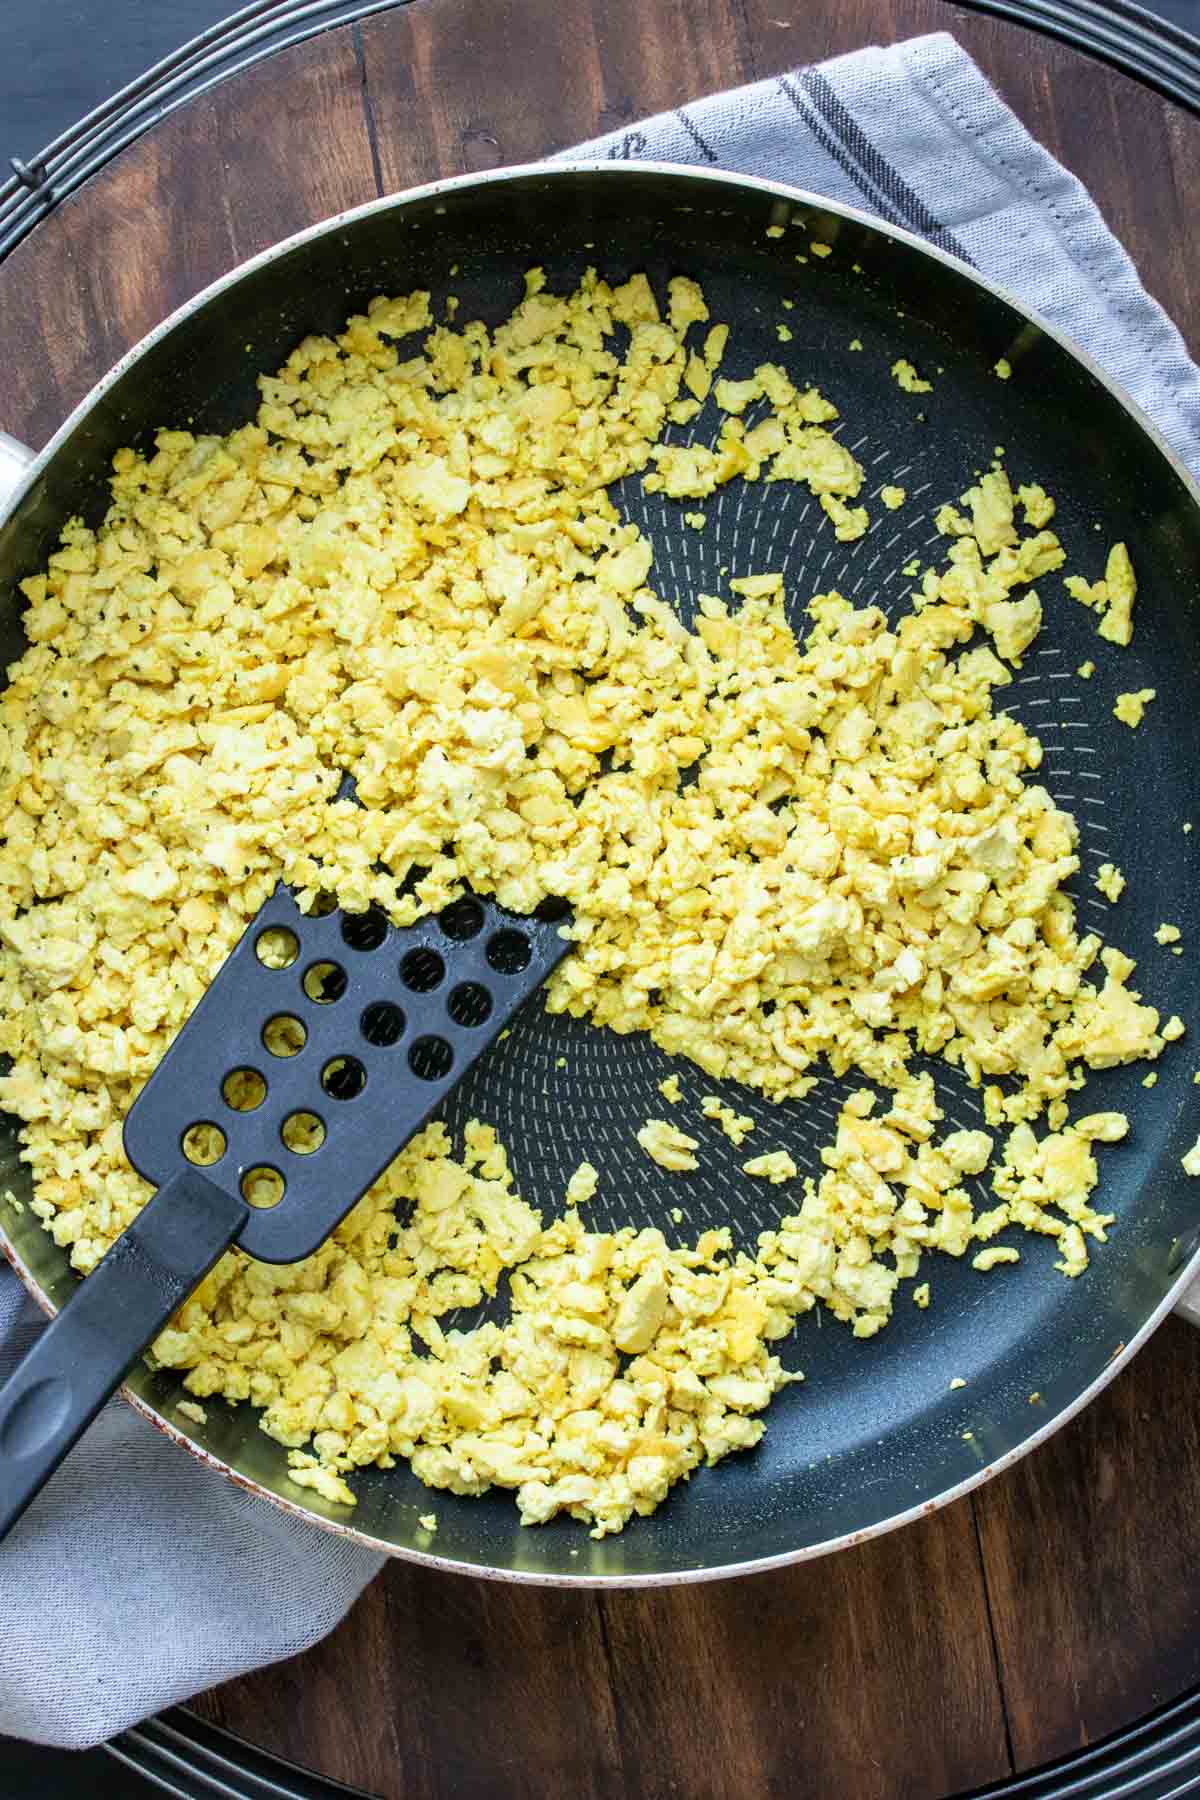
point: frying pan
(875, 1435)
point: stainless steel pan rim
(736, 185)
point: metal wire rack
(184, 1756)
(35, 187)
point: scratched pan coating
(874, 1433)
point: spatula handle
(83, 1355)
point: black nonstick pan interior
(875, 1430)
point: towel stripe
(833, 148)
(843, 137)
(706, 150)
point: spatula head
(325, 1041)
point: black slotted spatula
(324, 1043)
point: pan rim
(741, 184)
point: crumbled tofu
(671, 1090)
(1167, 934)
(1173, 1030)
(736, 1126)
(190, 1410)
(1086, 670)
(849, 522)
(783, 333)
(892, 497)
(667, 1146)
(816, 248)
(776, 1166)
(427, 1521)
(958, 1382)
(697, 520)
(1038, 506)
(583, 1184)
(1112, 596)
(906, 377)
(994, 1256)
(1110, 881)
(921, 1295)
(855, 344)
(1191, 1159)
(1002, 369)
(1130, 708)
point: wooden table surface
(1060, 1601)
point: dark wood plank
(443, 1688)
(1090, 1549)
(524, 78)
(284, 145)
(831, 1678)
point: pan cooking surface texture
(875, 1429)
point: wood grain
(232, 173)
(826, 1679)
(1062, 1600)
(1090, 1547)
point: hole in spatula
(421, 970)
(284, 1035)
(263, 1187)
(204, 1144)
(243, 1089)
(343, 1077)
(462, 919)
(431, 1058)
(302, 1132)
(322, 906)
(469, 1004)
(325, 982)
(277, 947)
(552, 910)
(382, 1024)
(364, 931)
(508, 952)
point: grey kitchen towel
(140, 1577)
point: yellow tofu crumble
(1110, 881)
(736, 1126)
(409, 569)
(906, 377)
(1112, 596)
(666, 1145)
(1131, 708)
